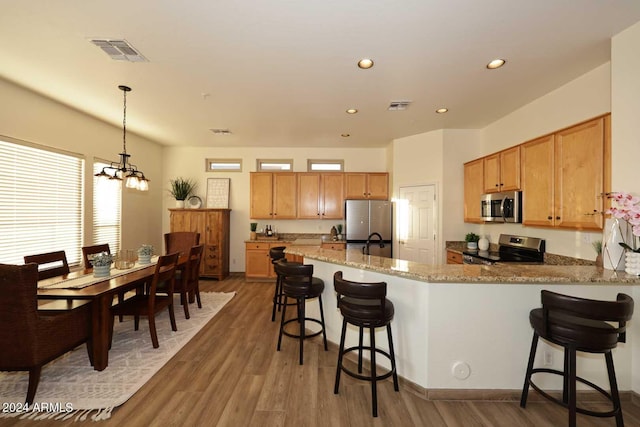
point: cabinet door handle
(549, 217)
(497, 185)
(557, 217)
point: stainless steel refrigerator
(369, 226)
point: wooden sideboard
(213, 226)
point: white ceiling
(283, 72)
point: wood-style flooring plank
(230, 374)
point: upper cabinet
(564, 177)
(273, 195)
(320, 195)
(502, 171)
(473, 189)
(373, 185)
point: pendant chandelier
(123, 169)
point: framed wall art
(218, 193)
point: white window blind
(107, 196)
(40, 202)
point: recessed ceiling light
(442, 110)
(352, 110)
(365, 63)
(496, 63)
(345, 135)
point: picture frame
(218, 193)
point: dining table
(81, 285)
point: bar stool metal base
(374, 377)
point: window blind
(40, 202)
(107, 196)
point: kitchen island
(462, 331)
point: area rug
(70, 387)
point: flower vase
(180, 204)
(632, 263)
(101, 270)
(615, 232)
(144, 259)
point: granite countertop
(468, 273)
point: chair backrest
(18, 313)
(50, 264)
(619, 311)
(92, 250)
(192, 270)
(180, 241)
(276, 253)
(359, 290)
(165, 273)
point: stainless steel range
(516, 249)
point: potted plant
(254, 227)
(144, 254)
(339, 227)
(472, 240)
(101, 263)
(180, 189)
(597, 245)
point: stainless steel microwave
(501, 207)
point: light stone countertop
(467, 273)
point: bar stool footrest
(363, 377)
(597, 388)
(306, 319)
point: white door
(416, 222)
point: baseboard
(503, 395)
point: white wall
(189, 162)
(28, 116)
(437, 157)
(625, 128)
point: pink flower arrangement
(627, 208)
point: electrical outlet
(548, 358)
(586, 237)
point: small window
(274, 165)
(314, 165)
(224, 165)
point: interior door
(416, 223)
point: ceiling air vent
(221, 131)
(120, 50)
(398, 105)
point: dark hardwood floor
(231, 375)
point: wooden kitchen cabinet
(273, 195)
(320, 195)
(213, 226)
(372, 185)
(336, 246)
(565, 177)
(502, 171)
(473, 190)
(258, 261)
(454, 257)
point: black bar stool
(365, 305)
(298, 283)
(579, 324)
(276, 254)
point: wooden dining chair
(150, 303)
(31, 338)
(50, 264)
(92, 250)
(187, 281)
(180, 241)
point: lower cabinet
(336, 246)
(258, 262)
(454, 257)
